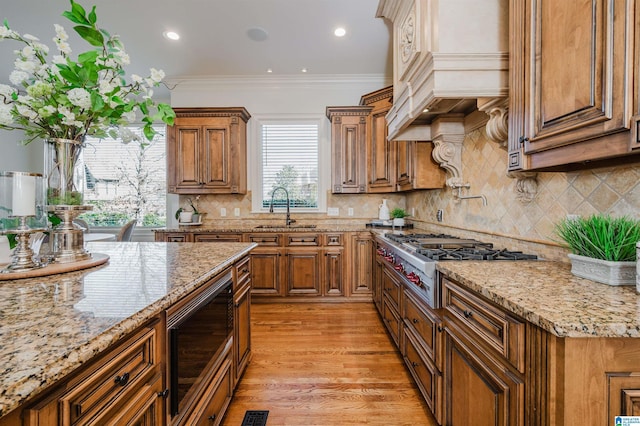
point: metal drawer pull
(212, 417)
(164, 393)
(467, 314)
(122, 380)
(414, 364)
(415, 320)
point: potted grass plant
(603, 248)
(398, 214)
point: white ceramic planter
(398, 221)
(603, 271)
(185, 217)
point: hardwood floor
(325, 364)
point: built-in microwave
(198, 333)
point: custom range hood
(446, 55)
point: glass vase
(64, 172)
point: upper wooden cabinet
(381, 159)
(207, 151)
(446, 54)
(416, 168)
(574, 82)
(349, 126)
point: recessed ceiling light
(269, 70)
(171, 35)
(303, 70)
(339, 32)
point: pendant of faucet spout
(289, 221)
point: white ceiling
(214, 35)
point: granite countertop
(321, 227)
(547, 294)
(51, 325)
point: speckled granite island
(50, 326)
(530, 343)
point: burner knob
(399, 267)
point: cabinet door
(210, 409)
(188, 156)
(333, 277)
(242, 330)
(303, 272)
(361, 261)
(479, 389)
(571, 88)
(381, 156)
(348, 149)
(266, 271)
(404, 163)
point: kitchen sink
(285, 226)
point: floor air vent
(255, 418)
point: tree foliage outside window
(125, 182)
(290, 160)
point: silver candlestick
(67, 239)
(22, 258)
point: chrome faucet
(289, 220)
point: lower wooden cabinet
(124, 383)
(303, 272)
(479, 388)
(361, 261)
(241, 318)
(210, 409)
(332, 280)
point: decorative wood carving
(448, 134)
(408, 37)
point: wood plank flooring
(325, 364)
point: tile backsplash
(614, 190)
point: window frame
(255, 157)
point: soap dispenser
(384, 211)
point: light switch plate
(350, 211)
(333, 211)
(236, 211)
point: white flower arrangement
(69, 98)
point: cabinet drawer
(125, 370)
(426, 325)
(391, 288)
(224, 237)
(426, 375)
(333, 239)
(488, 324)
(303, 240)
(266, 239)
(391, 321)
(243, 271)
(211, 408)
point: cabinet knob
(523, 139)
(440, 328)
(467, 314)
(122, 380)
(415, 320)
(164, 393)
(212, 417)
(414, 364)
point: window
(125, 181)
(289, 158)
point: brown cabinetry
(303, 272)
(381, 157)
(124, 383)
(241, 318)
(573, 82)
(483, 360)
(361, 261)
(416, 168)
(217, 238)
(207, 151)
(349, 126)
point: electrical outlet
(223, 211)
(333, 211)
(350, 211)
(439, 215)
(236, 211)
